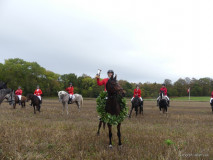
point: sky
(142, 41)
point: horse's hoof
(98, 134)
(110, 146)
(120, 146)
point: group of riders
(38, 93)
(70, 90)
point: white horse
(64, 98)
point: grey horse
(9, 94)
(64, 98)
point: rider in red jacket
(164, 90)
(70, 90)
(105, 80)
(38, 93)
(18, 92)
(137, 92)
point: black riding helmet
(70, 83)
(163, 85)
(110, 71)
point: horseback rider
(70, 90)
(18, 92)
(38, 93)
(164, 90)
(110, 73)
(211, 97)
(137, 92)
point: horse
(163, 104)
(64, 98)
(23, 100)
(9, 93)
(211, 103)
(136, 102)
(35, 101)
(113, 106)
(3, 85)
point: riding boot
(41, 101)
(157, 102)
(19, 102)
(69, 102)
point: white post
(189, 93)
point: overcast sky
(141, 40)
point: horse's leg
(110, 135)
(136, 110)
(99, 126)
(39, 107)
(212, 109)
(119, 134)
(67, 108)
(130, 112)
(34, 109)
(14, 105)
(141, 110)
(78, 104)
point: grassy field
(186, 132)
(201, 99)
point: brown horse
(113, 106)
(35, 102)
(23, 100)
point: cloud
(141, 40)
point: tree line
(28, 75)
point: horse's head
(136, 101)
(162, 95)
(113, 87)
(29, 96)
(61, 95)
(3, 85)
(10, 97)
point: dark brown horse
(23, 100)
(115, 93)
(34, 101)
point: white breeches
(165, 97)
(139, 97)
(19, 97)
(39, 97)
(211, 99)
(72, 96)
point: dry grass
(51, 135)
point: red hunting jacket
(103, 82)
(137, 92)
(18, 92)
(38, 92)
(164, 90)
(212, 95)
(70, 90)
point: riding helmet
(163, 85)
(70, 83)
(19, 87)
(110, 71)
